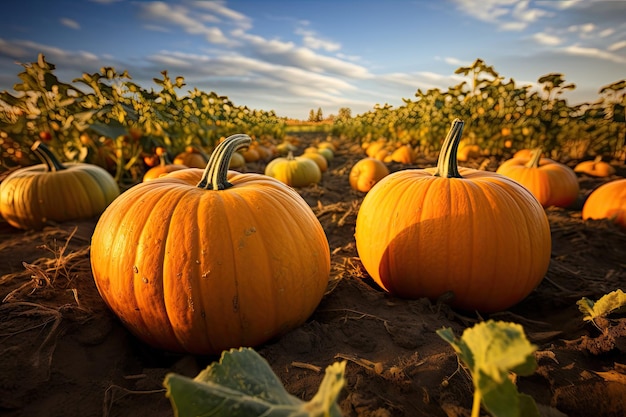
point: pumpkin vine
(447, 166)
(47, 157)
(215, 175)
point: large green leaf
(243, 384)
(491, 350)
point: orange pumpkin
(164, 167)
(191, 157)
(33, 196)
(595, 168)
(197, 261)
(475, 234)
(468, 152)
(403, 154)
(553, 184)
(608, 201)
(366, 173)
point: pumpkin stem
(597, 159)
(215, 176)
(47, 157)
(447, 166)
(535, 156)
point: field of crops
(67, 353)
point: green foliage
(106, 119)
(243, 384)
(501, 117)
(491, 350)
(614, 301)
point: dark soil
(63, 353)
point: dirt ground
(62, 353)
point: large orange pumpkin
(33, 196)
(475, 234)
(553, 183)
(203, 261)
(608, 201)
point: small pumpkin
(164, 167)
(608, 201)
(553, 183)
(365, 173)
(192, 157)
(403, 154)
(317, 157)
(201, 261)
(33, 196)
(468, 152)
(596, 168)
(476, 234)
(294, 171)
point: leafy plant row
(501, 114)
(106, 119)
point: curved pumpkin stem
(535, 157)
(447, 166)
(215, 176)
(47, 157)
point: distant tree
(319, 116)
(312, 116)
(344, 113)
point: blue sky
(293, 56)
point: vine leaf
(609, 303)
(243, 384)
(491, 350)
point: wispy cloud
(72, 24)
(311, 40)
(546, 39)
(593, 53)
(509, 15)
(617, 46)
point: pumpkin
(477, 235)
(191, 157)
(608, 201)
(318, 158)
(294, 171)
(237, 161)
(164, 167)
(367, 172)
(403, 154)
(468, 152)
(33, 196)
(201, 261)
(553, 183)
(595, 168)
(326, 153)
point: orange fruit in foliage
(366, 173)
(191, 157)
(608, 201)
(595, 168)
(477, 235)
(552, 183)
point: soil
(63, 353)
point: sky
(291, 56)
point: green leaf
(243, 384)
(491, 350)
(607, 304)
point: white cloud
(593, 53)
(72, 24)
(617, 46)
(311, 40)
(546, 39)
(508, 15)
(182, 17)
